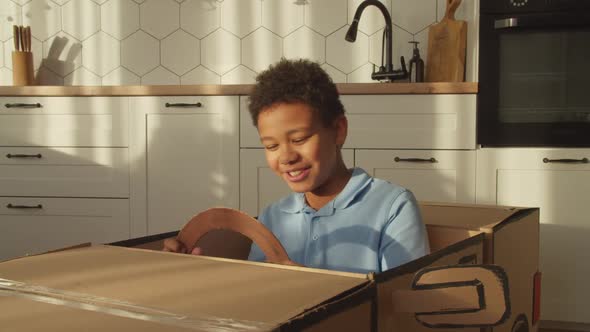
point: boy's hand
(173, 245)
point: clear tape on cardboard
(125, 309)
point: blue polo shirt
(371, 226)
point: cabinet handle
(23, 105)
(186, 105)
(415, 160)
(18, 155)
(38, 206)
(566, 161)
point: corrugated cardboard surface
(180, 284)
(516, 249)
(464, 216)
(401, 279)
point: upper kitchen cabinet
(558, 181)
(184, 153)
(437, 121)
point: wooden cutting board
(446, 48)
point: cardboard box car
(115, 288)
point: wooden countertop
(237, 89)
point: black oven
(534, 73)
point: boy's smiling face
(301, 150)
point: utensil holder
(22, 68)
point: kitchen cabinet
(432, 175)
(260, 186)
(32, 225)
(381, 128)
(185, 156)
(65, 172)
(558, 181)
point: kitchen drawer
(64, 121)
(438, 121)
(184, 104)
(432, 175)
(65, 172)
(52, 223)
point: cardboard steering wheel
(236, 221)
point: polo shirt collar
(295, 203)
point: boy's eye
(271, 147)
(300, 140)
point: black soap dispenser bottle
(416, 65)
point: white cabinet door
(64, 172)
(64, 121)
(432, 175)
(32, 225)
(557, 181)
(260, 186)
(438, 121)
(188, 158)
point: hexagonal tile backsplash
(131, 42)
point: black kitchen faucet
(385, 72)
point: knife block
(22, 68)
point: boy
(336, 218)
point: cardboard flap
(467, 217)
(185, 285)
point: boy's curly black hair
(292, 81)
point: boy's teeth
(294, 173)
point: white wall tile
(326, 16)
(282, 17)
(119, 18)
(239, 75)
(413, 16)
(160, 76)
(305, 43)
(82, 76)
(346, 56)
(371, 19)
(260, 49)
(220, 51)
(200, 17)
(44, 17)
(200, 75)
(81, 18)
(101, 53)
(62, 54)
(120, 76)
(5, 76)
(181, 52)
(10, 14)
(140, 53)
(336, 75)
(361, 75)
(213, 41)
(241, 17)
(21, 2)
(47, 77)
(159, 17)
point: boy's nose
(288, 157)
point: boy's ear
(341, 125)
